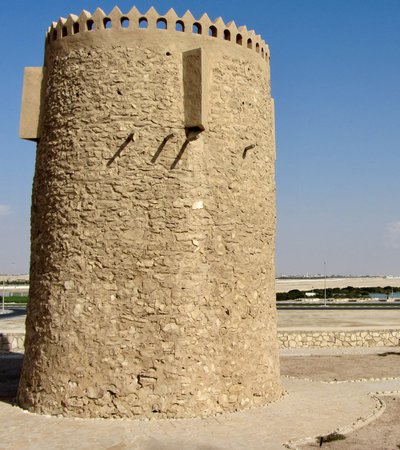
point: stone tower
(153, 219)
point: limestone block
(195, 85)
(30, 121)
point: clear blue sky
(336, 82)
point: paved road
(13, 322)
(343, 319)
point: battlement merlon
(153, 21)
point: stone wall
(152, 271)
(339, 338)
(12, 342)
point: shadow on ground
(10, 369)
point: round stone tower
(153, 219)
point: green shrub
(16, 299)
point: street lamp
(2, 299)
(324, 283)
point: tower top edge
(152, 21)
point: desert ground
(307, 284)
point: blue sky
(335, 68)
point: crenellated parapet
(153, 21)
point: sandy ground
(285, 285)
(381, 434)
(385, 364)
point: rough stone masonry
(153, 219)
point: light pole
(324, 283)
(2, 299)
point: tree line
(347, 292)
